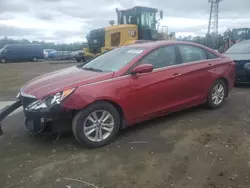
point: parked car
(49, 53)
(79, 56)
(21, 52)
(240, 53)
(125, 86)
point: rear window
(239, 48)
(191, 53)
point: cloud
(64, 20)
(14, 31)
(10, 6)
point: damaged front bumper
(50, 120)
(41, 121)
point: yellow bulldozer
(135, 25)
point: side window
(191, 53)
(210, 55)
(162, 57)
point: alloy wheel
(98, 126)
(218, 94)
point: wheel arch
(226, 83)
(123, 122)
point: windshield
(239, 48)
(148, 20)
(113, 60)
(129, 20)
(129, 17)
(145, 20)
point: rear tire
(217, 94)
(97, 125)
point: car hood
(58, 81)
(237, 57)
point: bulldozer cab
(241, 34)
(135, 24)
(143, 17)
(236, 35)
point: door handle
(210, 64)
(176, 74)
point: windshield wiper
(92, 69)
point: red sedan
(123, 87)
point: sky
(67, 21)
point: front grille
(241, 78)
(239, 65)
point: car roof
(155, 44)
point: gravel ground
(195, 148)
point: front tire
(217, 94)
(97, 125)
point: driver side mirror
(143, 68)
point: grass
(14, 75)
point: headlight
(50, 100)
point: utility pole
(213, 23)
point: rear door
(194, 71)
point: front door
(153, 93)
